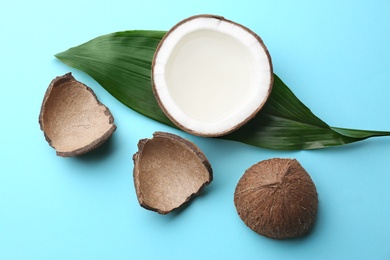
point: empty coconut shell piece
(169, 171)
(277, 198)
(73, 120)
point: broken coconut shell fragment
(73, 120)
(277, 198)
(169, 171)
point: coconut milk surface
(209, 75)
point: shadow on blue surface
(100, 153)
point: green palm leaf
(121, 63)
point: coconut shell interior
(72, 118)
(169, 171)
(277, 198)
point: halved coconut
(72, 118)
(211, 75)
(169, 171)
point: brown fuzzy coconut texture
(166, 111)
(277, 198)
(73, 120)
(169, 171)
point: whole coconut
(277, 198)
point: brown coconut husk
(277, 198)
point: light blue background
(335, 57)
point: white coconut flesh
(211, 75)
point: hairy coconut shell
(277, 198)
(72, 118)
(169, 171)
